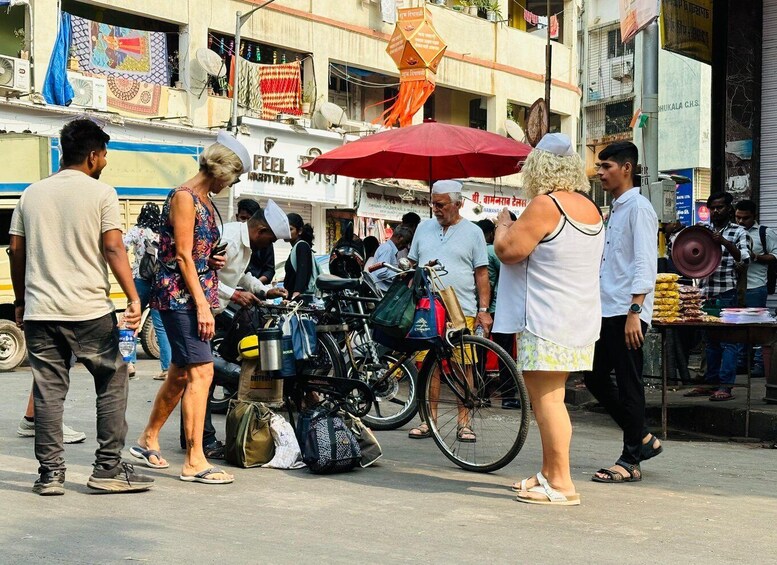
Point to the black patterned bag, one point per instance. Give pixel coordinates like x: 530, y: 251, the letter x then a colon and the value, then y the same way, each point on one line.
x: 329, y: 446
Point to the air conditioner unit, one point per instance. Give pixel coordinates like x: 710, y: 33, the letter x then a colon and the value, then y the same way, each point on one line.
x: 89, y: 92
x: 14, y: 75
x: 621, y: 70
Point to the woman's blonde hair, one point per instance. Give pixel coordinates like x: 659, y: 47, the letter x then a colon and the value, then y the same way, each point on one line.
x: 221, y: 163
x: 546, y: 172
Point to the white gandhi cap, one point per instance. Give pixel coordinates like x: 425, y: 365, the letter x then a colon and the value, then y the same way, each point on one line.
x: 277, y: 220
x: 556, y: 143
x: 230, y: 142
x: 446, y: 187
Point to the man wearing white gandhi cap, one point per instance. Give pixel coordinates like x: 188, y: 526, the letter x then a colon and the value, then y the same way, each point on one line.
x: 459, y: 245
x: 263, y: 229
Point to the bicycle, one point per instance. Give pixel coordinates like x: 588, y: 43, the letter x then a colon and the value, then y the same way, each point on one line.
x: 345, y: 340
x: 461, y: 383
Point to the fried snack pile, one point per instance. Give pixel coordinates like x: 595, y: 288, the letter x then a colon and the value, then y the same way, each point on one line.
x: 666, y: 306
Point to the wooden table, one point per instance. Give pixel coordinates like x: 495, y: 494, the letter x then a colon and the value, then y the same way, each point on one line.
x: 749, y: 334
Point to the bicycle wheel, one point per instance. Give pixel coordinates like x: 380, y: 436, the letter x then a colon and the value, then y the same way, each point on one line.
x: 394, y: 386
x: 464, y: 386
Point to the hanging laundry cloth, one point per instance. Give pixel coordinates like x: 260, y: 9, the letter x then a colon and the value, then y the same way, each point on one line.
x: 281, y: 89
x: 249, y: 94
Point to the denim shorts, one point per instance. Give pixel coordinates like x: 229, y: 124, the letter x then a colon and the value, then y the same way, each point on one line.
x: 185, y: 344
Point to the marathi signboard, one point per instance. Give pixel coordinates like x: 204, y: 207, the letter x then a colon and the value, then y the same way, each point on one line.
x: 388, y: 205
x: 684, y: 202
x: 686, y: 28
x: 636, y: 15
x: 483, y: 202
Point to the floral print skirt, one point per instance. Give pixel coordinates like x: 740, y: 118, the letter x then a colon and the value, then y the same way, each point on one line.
x: 537, y: 354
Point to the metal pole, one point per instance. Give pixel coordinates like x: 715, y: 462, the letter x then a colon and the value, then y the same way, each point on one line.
x: 548, y: 60
x: 233, y: 117
x: 650, y: 99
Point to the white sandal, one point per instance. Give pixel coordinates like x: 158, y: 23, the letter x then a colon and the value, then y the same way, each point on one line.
x: 553, y: 496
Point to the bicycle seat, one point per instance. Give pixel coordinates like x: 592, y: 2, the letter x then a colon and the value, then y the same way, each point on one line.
x: 331, y: 282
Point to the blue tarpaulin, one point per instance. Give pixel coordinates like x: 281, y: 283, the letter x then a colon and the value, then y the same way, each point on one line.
x: 56, y: 87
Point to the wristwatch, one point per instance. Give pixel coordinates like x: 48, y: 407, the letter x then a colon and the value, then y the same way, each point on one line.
x: 482, y: 309
x: 635, y: 309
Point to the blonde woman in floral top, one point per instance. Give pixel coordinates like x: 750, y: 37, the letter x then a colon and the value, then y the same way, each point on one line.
x: 141, y: 236
x: 185, y: 292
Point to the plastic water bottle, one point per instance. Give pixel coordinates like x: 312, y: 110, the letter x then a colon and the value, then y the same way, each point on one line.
x: 479, y: 331
x: 277, y: 301
x: 126, y: 344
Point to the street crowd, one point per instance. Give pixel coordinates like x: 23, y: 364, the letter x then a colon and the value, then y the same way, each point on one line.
x: 559, y: 287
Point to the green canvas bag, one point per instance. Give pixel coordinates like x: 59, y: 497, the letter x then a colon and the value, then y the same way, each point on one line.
x: 248, y: 441
x: 394, y: 314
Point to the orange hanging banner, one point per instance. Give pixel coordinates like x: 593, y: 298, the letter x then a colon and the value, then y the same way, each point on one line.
x: 417, y: 50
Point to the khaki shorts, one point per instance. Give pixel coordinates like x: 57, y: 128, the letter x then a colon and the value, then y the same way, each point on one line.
x: 471, y: 357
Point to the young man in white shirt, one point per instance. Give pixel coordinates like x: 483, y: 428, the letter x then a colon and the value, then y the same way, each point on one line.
x: 627, y: 279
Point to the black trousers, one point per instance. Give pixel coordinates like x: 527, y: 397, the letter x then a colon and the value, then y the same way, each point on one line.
x: 95, y: 343
x: 624, y: 400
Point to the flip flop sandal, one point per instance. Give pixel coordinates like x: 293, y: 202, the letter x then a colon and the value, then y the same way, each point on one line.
x: 202, y: 477
x: 145, y: 454
x: 550, y: 496
x: 465, y: 435
x: 635, y: 474
x: 648, y: 451
x: 520, y: 487
x: 423, y: 432
x: 721, y: 395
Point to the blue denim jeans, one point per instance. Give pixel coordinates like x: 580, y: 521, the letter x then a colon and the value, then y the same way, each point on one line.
x: 754, y: 298
x: 144, y: 292
x: 722, y: 357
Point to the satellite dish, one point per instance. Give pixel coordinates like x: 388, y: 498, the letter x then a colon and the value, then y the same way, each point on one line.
x: 212, y: 63
x: 694, y: 253
x: 537, y: 122
x: 333, y: 114
x: 514, y: 130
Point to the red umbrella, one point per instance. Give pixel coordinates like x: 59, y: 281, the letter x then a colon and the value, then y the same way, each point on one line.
x: 429, y: 151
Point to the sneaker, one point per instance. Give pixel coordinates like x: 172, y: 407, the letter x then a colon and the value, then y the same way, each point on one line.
x: 26, y: 428
x: 69, y: 435
x: 122, y: 478
x: 50, y: 483
x: 511, y: 404
x: 131, y: 373
x: 214, y: 451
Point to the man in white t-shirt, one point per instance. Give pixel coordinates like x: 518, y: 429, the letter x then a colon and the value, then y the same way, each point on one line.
x: 66, y: 232
x: 460, y: 246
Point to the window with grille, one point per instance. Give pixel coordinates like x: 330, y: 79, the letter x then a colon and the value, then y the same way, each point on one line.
x: 615, y: 45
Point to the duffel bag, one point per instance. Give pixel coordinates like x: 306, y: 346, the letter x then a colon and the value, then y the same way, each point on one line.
x: 248, y: 441
x: 329, y: 446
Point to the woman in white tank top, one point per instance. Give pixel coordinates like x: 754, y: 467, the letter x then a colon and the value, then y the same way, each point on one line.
x: 549, y: 296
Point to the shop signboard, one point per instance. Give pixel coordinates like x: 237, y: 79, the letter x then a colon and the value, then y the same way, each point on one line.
x: 684, y: 201
x: 636, y: 15
x: 686, y: 28
x: 277, y: 153
x: 387, y: 204
x: 485, y: 201
x: 702, y: 212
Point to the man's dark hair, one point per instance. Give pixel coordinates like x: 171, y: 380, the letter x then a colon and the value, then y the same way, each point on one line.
x: 487, y: 226
x: 78, y: 139
x: 411, y: 219
x: 726, y: 196
x: 622, y: 152
x: 248, y: 205
x: 746, y: 206
x: 257, y: 218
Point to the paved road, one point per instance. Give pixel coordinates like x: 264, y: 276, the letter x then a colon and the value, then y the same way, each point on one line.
x: 699, y: 503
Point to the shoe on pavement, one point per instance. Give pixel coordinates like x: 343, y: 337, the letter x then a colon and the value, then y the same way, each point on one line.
x: 122, y: 478
x: 511, y: 404
x: 215, y: 450
x: 131, y: 373
x: 69, y: 435
x: 161, y: 376
x: 50, y: 483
